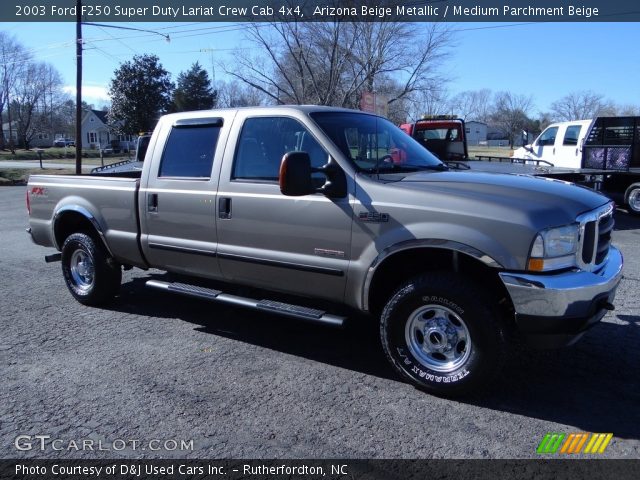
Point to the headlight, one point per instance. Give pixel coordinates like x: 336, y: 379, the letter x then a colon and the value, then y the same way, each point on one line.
x: 554, y: 248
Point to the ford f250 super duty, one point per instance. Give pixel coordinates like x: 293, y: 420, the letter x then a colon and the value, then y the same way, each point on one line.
x: 307, y: 207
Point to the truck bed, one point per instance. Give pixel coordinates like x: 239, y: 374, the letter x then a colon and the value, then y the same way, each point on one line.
x: 99, y: 198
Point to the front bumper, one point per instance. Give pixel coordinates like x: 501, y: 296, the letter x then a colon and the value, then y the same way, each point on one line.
x: 556, y: 309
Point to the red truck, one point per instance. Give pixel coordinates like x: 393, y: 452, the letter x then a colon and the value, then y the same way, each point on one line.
x: 442, y: 135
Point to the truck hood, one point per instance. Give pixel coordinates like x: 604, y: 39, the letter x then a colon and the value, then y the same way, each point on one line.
x: 550, y: 202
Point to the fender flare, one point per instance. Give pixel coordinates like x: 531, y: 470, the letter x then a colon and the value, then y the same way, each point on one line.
x: 423, y: 243
x: 86, y: 214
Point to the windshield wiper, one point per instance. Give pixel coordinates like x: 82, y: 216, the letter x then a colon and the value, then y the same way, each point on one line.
x: 407, y: 167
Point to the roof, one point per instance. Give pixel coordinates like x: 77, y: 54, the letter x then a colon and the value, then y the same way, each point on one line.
x: 101, y: 114
x: 306, y: 109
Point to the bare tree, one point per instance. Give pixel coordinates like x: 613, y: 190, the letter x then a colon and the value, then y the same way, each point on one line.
x: 28, y: 94
x: 36, y: 100
x: 333, y: 63
x: 434, y: 101
x: 13, y: 59
x: 51, y: 101
x: 511, y: 113
x: 473, y: 105
x: 237, y: 94
x: 580, y: 105
x: 629, y: 110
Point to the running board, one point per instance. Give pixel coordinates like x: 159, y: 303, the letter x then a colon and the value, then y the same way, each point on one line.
x: 271, y: 306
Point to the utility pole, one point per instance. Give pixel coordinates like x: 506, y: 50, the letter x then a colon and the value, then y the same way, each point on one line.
x: 78, y: 87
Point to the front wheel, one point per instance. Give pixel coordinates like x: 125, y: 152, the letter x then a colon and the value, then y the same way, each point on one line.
x: 91, y: 275
x: 438, y: 331
x: 632, y: 198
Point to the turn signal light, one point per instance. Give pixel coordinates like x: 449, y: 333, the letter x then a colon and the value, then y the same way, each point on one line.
x: 536, y: 264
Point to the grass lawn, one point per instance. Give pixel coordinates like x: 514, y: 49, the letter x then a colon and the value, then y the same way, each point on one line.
x: 12, y: 176
x: 476, y: 150
x: 57, y: 154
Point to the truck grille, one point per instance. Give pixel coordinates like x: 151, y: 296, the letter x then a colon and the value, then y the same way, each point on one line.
x: 595, y: 237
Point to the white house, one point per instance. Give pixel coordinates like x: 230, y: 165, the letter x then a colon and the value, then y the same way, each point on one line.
x: 96, y: 133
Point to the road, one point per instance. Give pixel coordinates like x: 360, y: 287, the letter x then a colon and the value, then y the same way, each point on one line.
x: 241, y: 384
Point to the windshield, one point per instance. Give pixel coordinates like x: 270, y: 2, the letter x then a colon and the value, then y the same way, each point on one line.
x: 374, y: 144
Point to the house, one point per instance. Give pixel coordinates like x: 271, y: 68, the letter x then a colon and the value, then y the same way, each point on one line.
x: 97, y: 134
x: 36, y: 139
x: 476, y: 132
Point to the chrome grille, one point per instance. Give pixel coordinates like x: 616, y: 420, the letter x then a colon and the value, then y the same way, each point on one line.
x: 605, y: 227
x: 595, y: 237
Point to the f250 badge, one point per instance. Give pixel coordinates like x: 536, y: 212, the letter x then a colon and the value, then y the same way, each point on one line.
x: 374, y: 217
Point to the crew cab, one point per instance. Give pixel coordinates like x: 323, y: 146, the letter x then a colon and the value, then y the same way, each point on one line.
x: 306, y: 209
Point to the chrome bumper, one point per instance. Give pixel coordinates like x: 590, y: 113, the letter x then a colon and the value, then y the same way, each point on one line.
x: 575, y: 294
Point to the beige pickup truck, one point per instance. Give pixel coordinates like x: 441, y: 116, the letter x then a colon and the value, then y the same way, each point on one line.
x: 311, y: 208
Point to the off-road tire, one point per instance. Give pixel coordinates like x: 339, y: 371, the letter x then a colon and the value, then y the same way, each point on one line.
x: 452, y: 312
x: 91, y: 275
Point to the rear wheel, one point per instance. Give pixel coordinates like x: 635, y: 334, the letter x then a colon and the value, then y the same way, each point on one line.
x: 632, y: 198
x: 438, y: 331
x: 91, y: 275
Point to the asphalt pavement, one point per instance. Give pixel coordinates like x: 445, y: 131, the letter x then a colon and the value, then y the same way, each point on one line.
x: 186, y: 378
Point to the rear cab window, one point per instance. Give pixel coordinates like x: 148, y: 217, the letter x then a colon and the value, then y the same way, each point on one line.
x: 189, y: 151
x: 572, y: 135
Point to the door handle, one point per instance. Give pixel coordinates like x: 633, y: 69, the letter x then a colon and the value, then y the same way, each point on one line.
x: 224, y: 208
x: 152, y: 202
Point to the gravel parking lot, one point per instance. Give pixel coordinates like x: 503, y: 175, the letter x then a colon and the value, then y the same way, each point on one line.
x: 222, y: 382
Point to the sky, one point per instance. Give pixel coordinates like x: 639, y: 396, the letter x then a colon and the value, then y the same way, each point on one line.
x: 544, y: 60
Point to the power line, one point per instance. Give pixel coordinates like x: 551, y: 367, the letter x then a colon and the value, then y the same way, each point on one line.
x: 117, y: 40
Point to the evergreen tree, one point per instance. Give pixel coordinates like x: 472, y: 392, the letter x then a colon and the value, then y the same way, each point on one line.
x: 194, y: 91
x: 140, y: 93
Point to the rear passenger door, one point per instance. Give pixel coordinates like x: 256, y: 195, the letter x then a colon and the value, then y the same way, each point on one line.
x: 293, y: 244
x: 568, y: 154
x: 178, y: 202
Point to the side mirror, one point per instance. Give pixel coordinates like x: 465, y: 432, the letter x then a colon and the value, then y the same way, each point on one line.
x: 296, y: 180
x: 295, y: 174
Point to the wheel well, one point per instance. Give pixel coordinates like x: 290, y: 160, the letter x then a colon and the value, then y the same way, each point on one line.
x: 72, y: 222
x: 406, y: 264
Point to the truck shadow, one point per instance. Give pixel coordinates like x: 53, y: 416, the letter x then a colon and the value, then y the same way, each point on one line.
x: 626, y: 221
x: 592, y: 386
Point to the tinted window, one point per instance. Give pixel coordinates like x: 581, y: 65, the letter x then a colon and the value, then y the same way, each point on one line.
x: 571, y: 135
x: 373, y: 143
x: 548, y: 137
x: 264, y: 141
x: 189, y: 152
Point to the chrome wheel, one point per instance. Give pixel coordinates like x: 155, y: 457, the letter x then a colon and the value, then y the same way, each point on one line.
x: 82, y: 270
x: 438, y: 338
x: 634, y: 200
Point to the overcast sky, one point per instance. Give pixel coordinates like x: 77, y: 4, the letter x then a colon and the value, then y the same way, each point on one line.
x: 545, y: 60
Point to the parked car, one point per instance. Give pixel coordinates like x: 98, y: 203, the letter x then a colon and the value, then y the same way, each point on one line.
x: 303, y: 205
x: 64, y: 142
